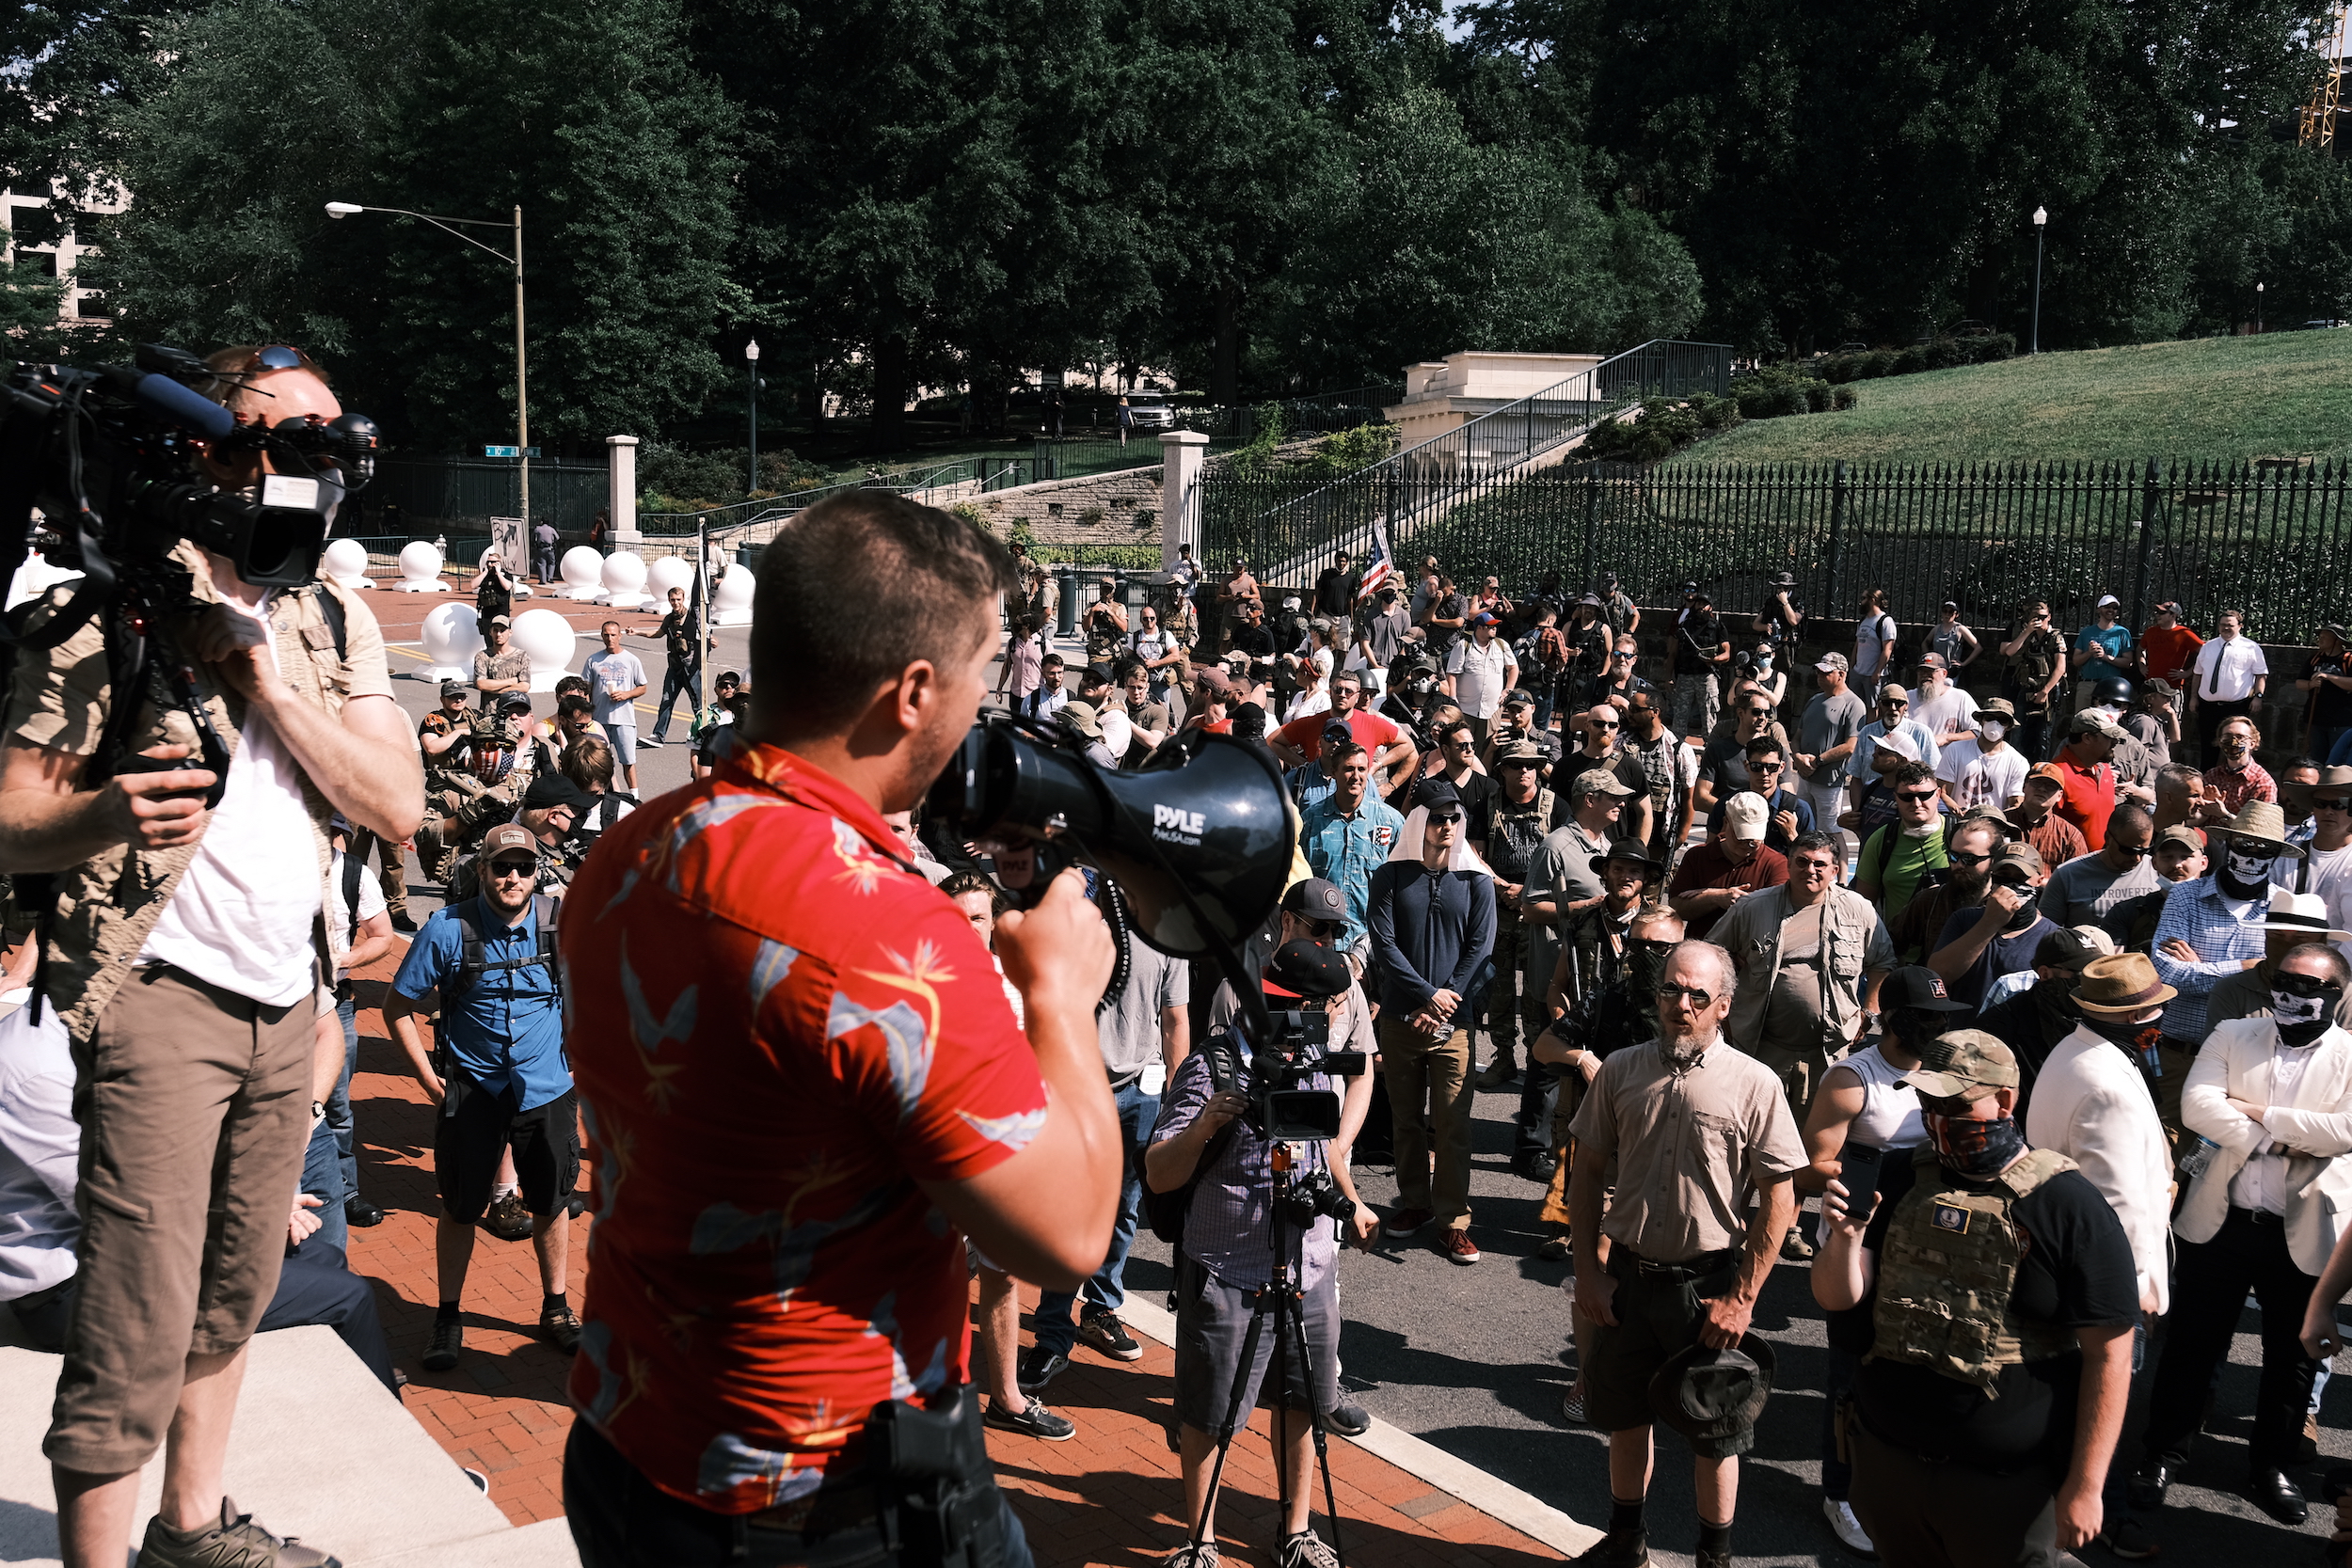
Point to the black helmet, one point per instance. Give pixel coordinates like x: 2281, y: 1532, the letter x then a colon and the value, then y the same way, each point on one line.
x: 2115, y: 691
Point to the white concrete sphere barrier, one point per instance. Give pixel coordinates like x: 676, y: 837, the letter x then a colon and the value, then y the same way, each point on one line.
x: 420, y: 569
x: 624, y: 580
x: 668, y: 572
x: 547, y: 638
x: 451, y: 636
x: 346, y: 561
x: 731, y: 606
x: 582, y: 573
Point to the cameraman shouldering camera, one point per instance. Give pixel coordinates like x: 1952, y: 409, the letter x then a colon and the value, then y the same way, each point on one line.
x: 182, y: 951
x: 804, y: 1078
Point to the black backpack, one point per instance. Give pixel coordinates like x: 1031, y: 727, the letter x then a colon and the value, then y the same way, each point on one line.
x: 1164, y: 1211
x: 473, y: 966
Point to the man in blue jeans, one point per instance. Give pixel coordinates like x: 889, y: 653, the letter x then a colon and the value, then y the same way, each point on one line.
x: 1143, y: 1037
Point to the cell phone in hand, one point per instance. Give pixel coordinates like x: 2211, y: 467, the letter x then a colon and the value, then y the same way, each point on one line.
x: 1859, y: 1166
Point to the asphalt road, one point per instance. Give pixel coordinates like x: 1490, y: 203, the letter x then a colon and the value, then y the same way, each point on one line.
x: 1476, y: 1359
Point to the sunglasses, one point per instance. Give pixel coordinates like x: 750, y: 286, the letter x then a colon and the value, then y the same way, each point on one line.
x: 1700, y: 1001
x: 2137, y: 851
x: 2331, y: 803
x: 1958, y: 858
x: 1602, y: 723
x: 1917, y: 795
x: 502, y: 869
x: 1891, y: 702
x: 1764, y: 768
x: 1445, y: 817
x: 2300, y: 985
x: 1759, y: 712
x: 1620, y: 655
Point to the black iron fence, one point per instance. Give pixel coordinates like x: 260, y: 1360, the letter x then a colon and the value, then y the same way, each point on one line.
x: 2272, y: 539
x: 443, y: 492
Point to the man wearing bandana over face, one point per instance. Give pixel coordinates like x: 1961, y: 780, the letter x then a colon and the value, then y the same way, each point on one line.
x: 2211, y: 927
x: 1991, y: 1292
x: 2274, y: 1094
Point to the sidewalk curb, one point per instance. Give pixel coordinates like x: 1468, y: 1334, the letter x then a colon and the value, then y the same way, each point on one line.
x: 1497, y: 1500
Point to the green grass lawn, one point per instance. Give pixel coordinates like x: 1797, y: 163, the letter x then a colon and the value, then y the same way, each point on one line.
x: 2287, y: 395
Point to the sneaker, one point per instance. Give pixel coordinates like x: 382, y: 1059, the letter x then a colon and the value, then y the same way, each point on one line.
x: 1039, y: 1367
x: 653, y: 740
x: 1031, y: 1420
x: 1348, y: 1419
x: 507, y: 1219
x: 1572, y: 1404
x: 404, y: 923
x: 1558, y: 1249
x: 449, y: 1338
x: 560, y: 1326
x: 1100, y: 1329
x: 1404, y: 1222
x: 1617, y: 1549
x: 1849, y: 1531
x: 1456, y: 1246
x: 236, y: 1541
x: 2130, y: 1541
x: 1190, y: 1556
x: 1305, y: 1550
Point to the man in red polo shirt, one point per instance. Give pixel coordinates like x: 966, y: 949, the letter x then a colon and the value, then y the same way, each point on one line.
x: 1393, y: 754
x: 804, y: 1083
x: 2089, y: 777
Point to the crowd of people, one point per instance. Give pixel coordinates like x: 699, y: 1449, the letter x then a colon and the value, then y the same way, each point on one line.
x: 2016, y: 924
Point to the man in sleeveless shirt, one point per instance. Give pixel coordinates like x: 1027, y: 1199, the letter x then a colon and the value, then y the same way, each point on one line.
x: 1992, y: 1293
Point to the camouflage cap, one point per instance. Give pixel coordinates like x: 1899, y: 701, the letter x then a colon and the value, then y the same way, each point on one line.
x: 1966, y: 1063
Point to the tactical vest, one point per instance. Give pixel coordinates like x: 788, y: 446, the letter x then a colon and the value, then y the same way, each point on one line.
x: 1947, y: 1270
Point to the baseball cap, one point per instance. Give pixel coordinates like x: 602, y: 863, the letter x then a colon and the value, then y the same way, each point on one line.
x: 1519, y: 751
x: 1313, y: 899
x: 452, y: 689
x: 2106, y: 600
x: 1833, y: 661
x: 1917, y: 985
x: 2072, y: 947
x: 1337, y: 730
x: 500, y: 621
x: 1214, y: 678
x: 1592, y: 781
x: 2098, y: 721
x: 1996, y: 707
x: 1517, y: 698
x: 1485, y: 618
x: 509, y: 839
x: 1096, y: 674
x: 1437, y: 792
x: 1303, y: 968
x: 1949, y: 604
x: 552, y: 789
x: 2047, y: 773
x: 1931, y: 661
x: 1966, y: 1063
x: 1895, y: 689
x: 1898, y: 743
x: 2018, y: 857
x: 2181, y: 834
x: 1746, y: 815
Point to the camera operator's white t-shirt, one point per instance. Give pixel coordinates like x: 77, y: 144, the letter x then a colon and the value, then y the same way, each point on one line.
x: 242, y: 915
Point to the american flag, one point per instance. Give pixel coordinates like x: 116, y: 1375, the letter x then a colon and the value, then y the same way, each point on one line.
x: 1377, y: 566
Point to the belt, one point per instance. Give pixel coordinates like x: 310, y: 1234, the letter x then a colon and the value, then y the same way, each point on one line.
x: 1120, y: 1079
x: 1689, y: 1269
x: 2256, y: 1216
x: 824, y: 1512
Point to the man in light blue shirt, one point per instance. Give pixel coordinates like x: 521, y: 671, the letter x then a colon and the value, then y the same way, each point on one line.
x: 1346, y: 835
x: 616, y: 681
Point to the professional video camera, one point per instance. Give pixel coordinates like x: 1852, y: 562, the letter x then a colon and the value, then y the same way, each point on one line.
x: 1290, y: 1051
x: 110, y: 456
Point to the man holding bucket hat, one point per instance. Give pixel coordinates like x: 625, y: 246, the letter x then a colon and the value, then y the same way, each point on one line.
x: 1983, y: 1352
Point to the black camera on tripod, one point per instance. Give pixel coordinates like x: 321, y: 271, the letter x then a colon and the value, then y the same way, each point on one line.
x: 1272, y: 1078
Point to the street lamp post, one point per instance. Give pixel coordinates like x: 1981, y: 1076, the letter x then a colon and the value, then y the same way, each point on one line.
x: 522, y: 400
x: 751, y: 358
x: 2041, y: 220
x: 2258, y: 309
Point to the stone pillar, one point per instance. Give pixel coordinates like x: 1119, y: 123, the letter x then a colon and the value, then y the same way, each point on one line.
x: 1182, y: 454
x: 621, y: 495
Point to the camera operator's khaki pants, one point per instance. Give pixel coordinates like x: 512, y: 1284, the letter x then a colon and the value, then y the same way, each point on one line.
x: 1433, y: 1072
x: 194, y: 1104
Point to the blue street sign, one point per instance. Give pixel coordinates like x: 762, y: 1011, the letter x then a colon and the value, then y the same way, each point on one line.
x: 510, y: 451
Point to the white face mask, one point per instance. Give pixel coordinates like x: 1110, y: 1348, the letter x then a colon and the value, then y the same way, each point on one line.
x: 2246, y: 869
x: 1992, y: 729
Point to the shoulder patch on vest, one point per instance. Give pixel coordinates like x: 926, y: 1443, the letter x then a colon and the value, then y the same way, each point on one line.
x: 1949, y: 1216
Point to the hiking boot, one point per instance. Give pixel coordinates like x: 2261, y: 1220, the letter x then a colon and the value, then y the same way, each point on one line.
x: 1536, y: 1165
x: 1039, y: 1367
x: 1100, y: 1329
x: 507, y: 1219
x: 1404, y: 1222
x: 1031, y: 1420
x: 404, y: 923
x: 235, y: 1542
x: 449, y: 1338
x: 1794, y: 1248
x: 1456, y: 1246
x: 560, y: 1326
x: 1305, y: 1550
x: 1627, y: 1548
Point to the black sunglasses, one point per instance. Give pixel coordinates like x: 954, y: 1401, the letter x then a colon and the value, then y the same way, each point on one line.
x: 1601, y: 724
x: 1917, y: 795
x: 2331, y: 803
x: 1958, y: 858
x: 1445, y: 817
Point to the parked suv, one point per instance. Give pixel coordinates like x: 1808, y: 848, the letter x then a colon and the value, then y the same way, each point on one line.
x: 1151, y: 411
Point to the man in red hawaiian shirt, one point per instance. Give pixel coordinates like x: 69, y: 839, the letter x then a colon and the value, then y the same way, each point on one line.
x: 802, y: 1078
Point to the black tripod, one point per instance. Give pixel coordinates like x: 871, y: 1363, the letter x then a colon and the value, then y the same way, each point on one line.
x: 1283, y: 1301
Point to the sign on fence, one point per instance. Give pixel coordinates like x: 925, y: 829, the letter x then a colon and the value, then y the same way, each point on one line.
x: 512, y: 543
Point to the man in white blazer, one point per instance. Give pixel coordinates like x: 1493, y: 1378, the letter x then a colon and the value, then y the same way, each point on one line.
x: 2273, y: 1094
x: 2091, y: 1103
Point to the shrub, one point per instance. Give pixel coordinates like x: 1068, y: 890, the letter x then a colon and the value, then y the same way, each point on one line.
x: 1911, y: 361
x: 1660, y: 428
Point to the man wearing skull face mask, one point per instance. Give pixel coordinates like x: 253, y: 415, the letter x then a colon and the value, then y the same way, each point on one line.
x: 2274, y: 1094
x: 2211, y: 927
x: 1992, y: 1298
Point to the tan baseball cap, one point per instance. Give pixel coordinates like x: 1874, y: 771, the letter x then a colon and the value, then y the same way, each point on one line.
x: 1746, y: 815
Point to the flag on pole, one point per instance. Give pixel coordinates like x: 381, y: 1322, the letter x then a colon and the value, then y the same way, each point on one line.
x: 1378, y: 565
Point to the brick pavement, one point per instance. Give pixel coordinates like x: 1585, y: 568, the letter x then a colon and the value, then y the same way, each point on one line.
x: 1108, y: 1496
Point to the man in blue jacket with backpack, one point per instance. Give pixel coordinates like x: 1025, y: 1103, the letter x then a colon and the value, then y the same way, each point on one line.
x: 499, y: 1078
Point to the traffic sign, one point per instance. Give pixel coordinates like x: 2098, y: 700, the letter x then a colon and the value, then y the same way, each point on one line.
x: 510, y: 451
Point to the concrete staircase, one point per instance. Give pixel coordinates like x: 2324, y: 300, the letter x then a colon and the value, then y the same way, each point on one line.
x: 320, y: 1451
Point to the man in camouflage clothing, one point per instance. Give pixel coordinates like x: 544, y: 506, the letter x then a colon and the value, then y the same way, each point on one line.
x: 1105, y: 623
x: 1516, y: 826
x: 1622, y: 1011
x: 500, y: 667
x: 484, y: 769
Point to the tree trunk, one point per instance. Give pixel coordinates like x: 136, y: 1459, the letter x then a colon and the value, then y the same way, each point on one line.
x: 893, y: 371
x: 1225, y: 368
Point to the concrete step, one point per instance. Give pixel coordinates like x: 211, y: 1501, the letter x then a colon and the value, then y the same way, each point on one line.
x: 320, y: 1449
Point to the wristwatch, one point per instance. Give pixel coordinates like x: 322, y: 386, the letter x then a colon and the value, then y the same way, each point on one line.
x: 318, y: 1112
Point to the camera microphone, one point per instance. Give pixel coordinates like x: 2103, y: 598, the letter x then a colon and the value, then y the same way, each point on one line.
x: 167, y: 399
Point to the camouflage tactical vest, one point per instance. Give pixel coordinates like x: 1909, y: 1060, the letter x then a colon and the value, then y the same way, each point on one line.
x: 1947, y: 1270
